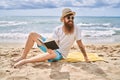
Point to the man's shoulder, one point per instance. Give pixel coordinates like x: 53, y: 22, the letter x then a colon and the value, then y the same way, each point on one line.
x: 77, y: 27
x: 58, y: 27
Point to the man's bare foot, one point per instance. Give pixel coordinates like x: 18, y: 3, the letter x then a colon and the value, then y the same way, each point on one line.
x: 18, y: 59
x: 20, y: 63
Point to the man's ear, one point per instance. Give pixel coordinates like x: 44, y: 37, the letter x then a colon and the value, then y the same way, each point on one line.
x: 62, y: 19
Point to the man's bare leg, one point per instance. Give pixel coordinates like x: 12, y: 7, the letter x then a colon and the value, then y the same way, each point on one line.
x: 38, y: 58
x: 33, y: 37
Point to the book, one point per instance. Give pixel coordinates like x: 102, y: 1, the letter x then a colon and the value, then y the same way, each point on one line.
x: 50, y: 44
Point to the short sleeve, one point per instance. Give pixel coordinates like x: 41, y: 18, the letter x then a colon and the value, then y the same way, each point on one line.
x: 78, y: 33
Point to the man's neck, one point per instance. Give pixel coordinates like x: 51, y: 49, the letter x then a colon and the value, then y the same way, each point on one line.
x: 66, y: 31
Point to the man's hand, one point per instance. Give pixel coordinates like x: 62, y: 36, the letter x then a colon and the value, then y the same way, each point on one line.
x: 87, y: 60
x: 50, y: 51
x: 82, y: 48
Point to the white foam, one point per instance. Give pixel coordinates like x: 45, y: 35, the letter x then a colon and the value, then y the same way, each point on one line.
x: 13, y: 36
x: 11, y: 23
x: 21, y: 35
x: 94, y: 24
x: 93, y: 33
x: 117, y: 29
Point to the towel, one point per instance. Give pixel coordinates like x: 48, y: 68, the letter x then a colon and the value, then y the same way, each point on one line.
x: 78, y: 56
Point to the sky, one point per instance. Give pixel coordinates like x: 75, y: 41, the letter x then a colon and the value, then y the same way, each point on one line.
x: 55, y: 7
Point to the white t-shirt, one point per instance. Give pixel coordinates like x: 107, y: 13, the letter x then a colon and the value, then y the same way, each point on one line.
x: 66, y: 41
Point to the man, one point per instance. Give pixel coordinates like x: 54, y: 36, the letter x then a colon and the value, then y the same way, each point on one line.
x: 64, y: 35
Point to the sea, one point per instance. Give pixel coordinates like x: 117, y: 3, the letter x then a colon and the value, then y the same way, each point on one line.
x: 94, y: 29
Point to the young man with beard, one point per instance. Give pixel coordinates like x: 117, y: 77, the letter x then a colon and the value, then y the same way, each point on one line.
x: 64, y: 35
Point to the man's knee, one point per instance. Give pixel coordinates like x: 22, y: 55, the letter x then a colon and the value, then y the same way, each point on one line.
x: 53, y: 54
x: 33, y: 34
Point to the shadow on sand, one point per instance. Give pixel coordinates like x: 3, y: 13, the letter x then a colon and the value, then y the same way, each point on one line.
x: 90, y: 68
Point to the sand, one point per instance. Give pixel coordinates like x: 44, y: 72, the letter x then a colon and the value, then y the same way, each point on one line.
x: 109, y: 69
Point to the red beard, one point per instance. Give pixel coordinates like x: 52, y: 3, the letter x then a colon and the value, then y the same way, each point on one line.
x: 69, y: 26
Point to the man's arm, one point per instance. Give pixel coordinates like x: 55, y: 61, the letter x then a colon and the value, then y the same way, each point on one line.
x: 82, y: 48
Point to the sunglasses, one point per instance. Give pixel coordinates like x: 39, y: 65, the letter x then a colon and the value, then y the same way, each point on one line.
x: 70, y: 17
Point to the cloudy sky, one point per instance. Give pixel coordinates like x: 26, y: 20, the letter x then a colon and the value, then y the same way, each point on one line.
x: 54, y: 7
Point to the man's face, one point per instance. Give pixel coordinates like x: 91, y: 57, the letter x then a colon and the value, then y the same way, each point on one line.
x: 69, y: 23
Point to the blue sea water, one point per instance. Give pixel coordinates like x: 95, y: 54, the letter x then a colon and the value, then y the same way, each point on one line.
x: 94, y: 29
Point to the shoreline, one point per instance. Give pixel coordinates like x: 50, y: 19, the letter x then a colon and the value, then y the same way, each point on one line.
x: 85, y: 43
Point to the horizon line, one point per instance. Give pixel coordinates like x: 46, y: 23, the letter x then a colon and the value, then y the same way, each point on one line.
x: 52, y: 16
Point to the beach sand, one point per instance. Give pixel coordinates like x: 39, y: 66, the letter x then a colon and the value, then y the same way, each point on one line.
x: 109, y: 69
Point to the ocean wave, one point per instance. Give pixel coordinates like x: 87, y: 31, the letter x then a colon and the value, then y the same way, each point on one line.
x: 11, y: 23
x: 94, y: 24
x: 116, y: 28
x: 13, y: 36
x: 20, y: 35
x: 85, y: 33
x: 94, y: 33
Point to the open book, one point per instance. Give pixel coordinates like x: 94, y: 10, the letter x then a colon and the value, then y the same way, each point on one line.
x: 50, y: 44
